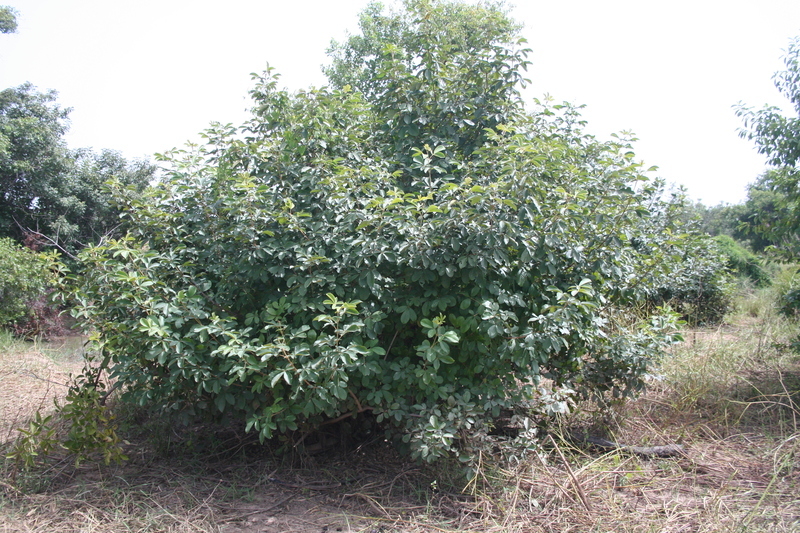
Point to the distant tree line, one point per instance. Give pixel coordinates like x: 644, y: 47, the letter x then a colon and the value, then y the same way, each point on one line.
x: 53, y: 196
x: 764, y: 206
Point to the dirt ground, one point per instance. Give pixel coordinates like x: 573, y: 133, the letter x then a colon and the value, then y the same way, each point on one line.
x: 30, y: 381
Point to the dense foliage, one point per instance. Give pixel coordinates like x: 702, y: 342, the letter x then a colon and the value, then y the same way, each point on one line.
x: 423, y: 248
x: 789, y: 303
x: 25, y: 276
x: 89, y: 196
x: 766, y: 207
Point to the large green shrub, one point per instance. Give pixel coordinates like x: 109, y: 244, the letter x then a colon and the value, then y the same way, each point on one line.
x: 408, y: 254
x: 24, y: 277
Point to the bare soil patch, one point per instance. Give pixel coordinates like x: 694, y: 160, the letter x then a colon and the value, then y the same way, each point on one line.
x: 30, y: 380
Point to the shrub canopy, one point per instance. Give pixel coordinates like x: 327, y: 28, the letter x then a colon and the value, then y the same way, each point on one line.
x: 426, y: 250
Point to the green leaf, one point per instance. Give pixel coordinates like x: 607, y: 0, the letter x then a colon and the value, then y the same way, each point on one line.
x: 408, y: 316
x: 450, y: 337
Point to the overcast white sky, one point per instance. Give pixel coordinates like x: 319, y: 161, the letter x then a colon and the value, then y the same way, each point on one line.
x: 145, y: 76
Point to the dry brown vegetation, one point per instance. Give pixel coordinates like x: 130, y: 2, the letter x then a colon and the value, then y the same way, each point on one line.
x: 728, y: 395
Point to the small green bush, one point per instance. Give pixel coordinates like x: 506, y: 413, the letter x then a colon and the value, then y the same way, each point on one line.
x: 699, y: 288
x: 25, y: 277
x: 742, y: 262
x: 789, y: 303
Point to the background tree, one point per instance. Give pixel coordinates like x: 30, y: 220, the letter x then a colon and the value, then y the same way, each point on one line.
x: 766, y: 209
x: 49, y: 190
x: 89, y: 196
x: 8, y: 19
x: 778, y: 137
x: 33, y: 156
x: 722, y: 219
x: 730, y: 227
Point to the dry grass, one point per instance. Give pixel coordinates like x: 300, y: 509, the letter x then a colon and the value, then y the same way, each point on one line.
x: 32, y: 375
x: 730, y: 395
